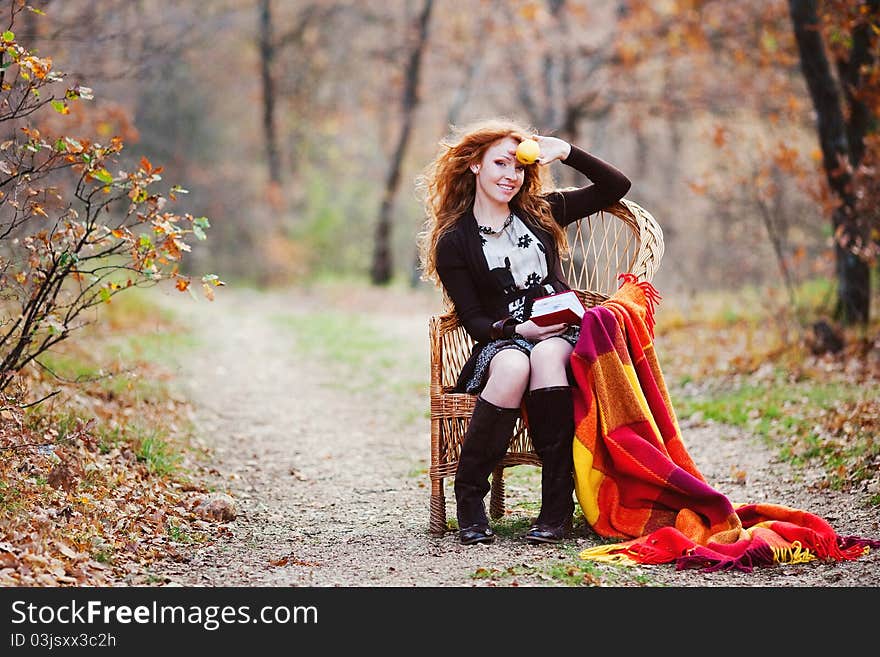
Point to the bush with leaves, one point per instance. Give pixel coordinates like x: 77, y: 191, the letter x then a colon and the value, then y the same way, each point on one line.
x: 73, y: 233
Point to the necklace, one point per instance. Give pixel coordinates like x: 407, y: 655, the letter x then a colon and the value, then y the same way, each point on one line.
x: 486, y: 230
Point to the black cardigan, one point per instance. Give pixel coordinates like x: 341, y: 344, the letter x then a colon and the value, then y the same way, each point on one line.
x: 478, y: 296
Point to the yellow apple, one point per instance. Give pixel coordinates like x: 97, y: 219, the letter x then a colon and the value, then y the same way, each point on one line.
x: 528, y: 151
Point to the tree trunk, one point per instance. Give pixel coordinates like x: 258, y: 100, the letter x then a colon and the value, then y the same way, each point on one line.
x: 853, y: 274
x: 851, y: 73
x: 459, y: 100
x: 382, y: 268
x: 267, y: 58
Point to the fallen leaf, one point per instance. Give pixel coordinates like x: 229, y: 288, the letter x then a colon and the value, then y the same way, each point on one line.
x: 62, y: 477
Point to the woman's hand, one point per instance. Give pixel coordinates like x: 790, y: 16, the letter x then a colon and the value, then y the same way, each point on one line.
x: 552, y: 149
x: 536, y: 333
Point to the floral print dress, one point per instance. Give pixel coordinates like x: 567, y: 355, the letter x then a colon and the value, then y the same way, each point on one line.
x: 517, y: 257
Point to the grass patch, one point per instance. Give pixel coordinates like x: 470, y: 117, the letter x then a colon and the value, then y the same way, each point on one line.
x: 110, y: 438
x: 136, y: 307
x: 11, y: 499
x: 70, y: 368
x: 806, y: 421
x: 511, y: 527
x: 743, y: 358
x: 103, y: 555
x: 339, y: 337
x: 357, y: 356
x: 180, y: 532
x: 571, y: 571
x: 158, y: 454
x: 117, y: 355
x: 565, y: 574
x: 583, y: 573
x: 568, y: 570
x: 161, y: 347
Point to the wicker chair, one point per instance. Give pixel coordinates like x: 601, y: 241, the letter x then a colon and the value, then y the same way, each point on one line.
x: 621, y: 238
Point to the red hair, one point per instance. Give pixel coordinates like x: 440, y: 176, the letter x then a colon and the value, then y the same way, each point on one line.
x: 448, y: 187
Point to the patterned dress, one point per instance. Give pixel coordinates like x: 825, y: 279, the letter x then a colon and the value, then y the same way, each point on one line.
x: 516, y: 249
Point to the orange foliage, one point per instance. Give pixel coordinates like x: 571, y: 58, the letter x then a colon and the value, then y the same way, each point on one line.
x: 92, y: 213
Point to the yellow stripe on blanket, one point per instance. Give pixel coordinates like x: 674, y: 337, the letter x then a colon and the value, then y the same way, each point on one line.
x: 633, y: 378
x: 586, y: 488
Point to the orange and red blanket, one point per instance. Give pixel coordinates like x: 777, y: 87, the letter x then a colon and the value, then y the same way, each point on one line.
x: 634, y: 478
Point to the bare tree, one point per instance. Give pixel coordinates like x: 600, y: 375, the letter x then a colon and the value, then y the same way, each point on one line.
x: 841, y: 136
x: 381, y: 271
x: 267, y: 58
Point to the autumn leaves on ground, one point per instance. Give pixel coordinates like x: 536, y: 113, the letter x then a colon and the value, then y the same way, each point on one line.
x: 107, y: 474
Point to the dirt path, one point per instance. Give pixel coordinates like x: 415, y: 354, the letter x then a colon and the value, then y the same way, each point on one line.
x: 329, y: 465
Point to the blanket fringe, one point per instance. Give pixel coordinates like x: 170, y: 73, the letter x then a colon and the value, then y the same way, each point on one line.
x: 611, y: 553
x: 631, y: 553
x: 761, y: 554
x: 652, y: 297
x: 794, y: 553
x: 850, y: 548
x: 857, y: 545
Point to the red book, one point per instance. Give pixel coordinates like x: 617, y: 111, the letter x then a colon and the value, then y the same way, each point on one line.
x: 560, y: 308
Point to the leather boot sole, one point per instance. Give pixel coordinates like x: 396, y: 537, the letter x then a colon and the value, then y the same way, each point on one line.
x: 537, y: 539
x: 544, y: 534
x: 476, y: 534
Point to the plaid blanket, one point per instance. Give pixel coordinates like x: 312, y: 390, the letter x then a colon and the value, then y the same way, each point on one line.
x: 634, y: 478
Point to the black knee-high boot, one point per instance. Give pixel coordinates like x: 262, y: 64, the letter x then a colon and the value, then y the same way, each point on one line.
x: 551, y: 426
x: 485, y: 443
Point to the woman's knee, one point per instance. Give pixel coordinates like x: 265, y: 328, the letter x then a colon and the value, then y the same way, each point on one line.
x: 510, y: 365
x: 550, y: 353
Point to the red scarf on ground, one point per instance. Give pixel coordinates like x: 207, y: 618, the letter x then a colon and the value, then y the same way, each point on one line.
x: 634, y: 478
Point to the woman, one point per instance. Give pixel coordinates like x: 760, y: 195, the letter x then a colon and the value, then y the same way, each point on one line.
x: 494, y: 241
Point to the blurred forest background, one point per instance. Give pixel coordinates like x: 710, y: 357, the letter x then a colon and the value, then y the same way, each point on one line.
x: 274, y: 145
x: 299, y: 126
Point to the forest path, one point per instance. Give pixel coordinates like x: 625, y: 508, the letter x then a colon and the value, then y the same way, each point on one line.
x: 313, y: 407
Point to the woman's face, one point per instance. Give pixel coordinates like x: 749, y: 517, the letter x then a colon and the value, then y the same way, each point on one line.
x: 499, y: 175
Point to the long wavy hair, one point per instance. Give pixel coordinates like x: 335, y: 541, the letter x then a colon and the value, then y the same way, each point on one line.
x: 447, y: 187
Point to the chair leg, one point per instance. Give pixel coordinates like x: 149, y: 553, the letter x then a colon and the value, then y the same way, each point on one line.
x: 437, y: 524
x: 496, y: 497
